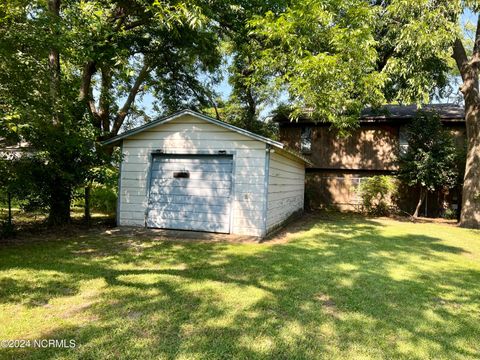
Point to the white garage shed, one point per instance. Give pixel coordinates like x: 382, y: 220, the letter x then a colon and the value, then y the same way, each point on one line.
x: 189, y: 171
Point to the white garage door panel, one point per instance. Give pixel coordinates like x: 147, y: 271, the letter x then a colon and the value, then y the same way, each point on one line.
x: 194, y: 166
x: 187, y: 200
x: 189, y: 215
x: 196, y: 175
x: 192, y: 184
x: 215, y: 168
x: 190, y: 225
x: 177, y: 160
x: 196, y: 199
x: 186, y: 191
x: 199, y: 208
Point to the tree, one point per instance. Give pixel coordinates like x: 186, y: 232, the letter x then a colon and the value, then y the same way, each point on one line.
x: 323, y: 55
x: 37, y: 103
x: 430, y: 161
x: 233, y: 113
x: 71, y: 72
x: 333, y: 58
x: 130, y: 49
x: 8, y: 181
x: 242, y: 48
x: 469, y: 70
x: 422, y: 43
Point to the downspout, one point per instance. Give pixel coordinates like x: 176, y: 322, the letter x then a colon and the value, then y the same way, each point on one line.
x: 265, y: 189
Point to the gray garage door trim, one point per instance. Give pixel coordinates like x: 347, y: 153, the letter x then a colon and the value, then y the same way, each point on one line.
x: 191, y: 192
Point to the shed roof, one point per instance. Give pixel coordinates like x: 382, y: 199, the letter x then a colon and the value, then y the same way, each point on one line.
x: 116, y: 139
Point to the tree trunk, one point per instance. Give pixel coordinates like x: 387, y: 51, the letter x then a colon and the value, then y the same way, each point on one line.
x: 251, y: 112
x: 54, y: 62
x: 419, y: 204
x: 60, y: 193
x: 469, y: 69
x: 87, y: 216
x: 470, y: 215
x: 459, y: 202
x: 9, y: 201
x: 59, y: 207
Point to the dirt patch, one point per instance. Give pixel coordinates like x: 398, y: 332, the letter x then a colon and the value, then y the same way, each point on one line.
x: 438, y: 301
x: 422, y: 220
x: 177, y: 235
x: 77, y: 309
x: 134, y: 315
x: 39, y: 231
x: 328, y: 304
x: 105, y: 228
x: 285, y: 234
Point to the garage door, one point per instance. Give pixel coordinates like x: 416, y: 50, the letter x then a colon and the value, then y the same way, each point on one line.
x: 190, y: 192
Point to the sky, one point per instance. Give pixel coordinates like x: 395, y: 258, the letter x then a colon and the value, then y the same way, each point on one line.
x: 223, y: 89
x: 469, y: 15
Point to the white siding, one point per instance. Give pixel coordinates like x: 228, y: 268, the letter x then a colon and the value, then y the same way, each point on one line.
x: 188, y: 134
x: 286, y: 184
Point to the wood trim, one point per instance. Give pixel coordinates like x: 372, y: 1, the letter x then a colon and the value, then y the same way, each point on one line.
x: 265, y: 189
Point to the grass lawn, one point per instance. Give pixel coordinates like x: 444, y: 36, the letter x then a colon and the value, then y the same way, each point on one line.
x: 342, y: 287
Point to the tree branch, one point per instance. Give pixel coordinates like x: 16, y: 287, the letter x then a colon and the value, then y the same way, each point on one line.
x: 93, y: 110
x: 122, y: 113
x: 476, y: 46
x: 88, y: 70
x: 460, y: 57
x: 54, y: 60
x: 104, y: 102
x: 86, y: 93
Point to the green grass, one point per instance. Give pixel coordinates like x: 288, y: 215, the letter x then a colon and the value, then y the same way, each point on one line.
x: 341, y: 288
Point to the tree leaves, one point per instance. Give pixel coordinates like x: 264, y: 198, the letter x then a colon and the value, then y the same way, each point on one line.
x: 431, y: 159
x: 324, y: 55
x: 417, y: 39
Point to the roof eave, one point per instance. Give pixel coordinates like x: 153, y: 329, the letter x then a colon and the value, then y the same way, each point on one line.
x: 296, y: 155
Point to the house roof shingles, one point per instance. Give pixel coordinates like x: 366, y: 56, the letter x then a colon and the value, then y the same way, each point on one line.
x: 447, y: 112
x: 392, y: 112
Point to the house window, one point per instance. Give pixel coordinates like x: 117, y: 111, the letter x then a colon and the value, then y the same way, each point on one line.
x: 306, y: 140
x: 403, y: 140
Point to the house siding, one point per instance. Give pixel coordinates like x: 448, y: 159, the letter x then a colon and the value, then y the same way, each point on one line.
x: 369, y: 147
x: 341, y: 164
x: 188, y: 134
x: 285, y: 189
x: 335, y: 189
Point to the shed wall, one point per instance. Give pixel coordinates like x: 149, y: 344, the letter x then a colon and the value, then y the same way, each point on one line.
x: 286, y: 184
x: 188, y: 134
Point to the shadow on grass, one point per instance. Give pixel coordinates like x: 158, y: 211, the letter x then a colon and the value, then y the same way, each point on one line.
x: 329, y: 293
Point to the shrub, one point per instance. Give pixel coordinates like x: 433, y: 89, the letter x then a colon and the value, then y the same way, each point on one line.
x: 450, y: 214
x: 103, y: 199
x: 376, y: 192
